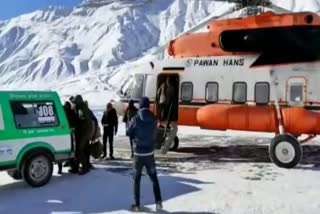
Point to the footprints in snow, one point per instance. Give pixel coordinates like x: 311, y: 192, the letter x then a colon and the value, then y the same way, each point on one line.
x: 261, y: 172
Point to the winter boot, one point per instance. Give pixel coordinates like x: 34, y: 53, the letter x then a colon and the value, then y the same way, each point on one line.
x: 159, y: 206
x: 135, y: 208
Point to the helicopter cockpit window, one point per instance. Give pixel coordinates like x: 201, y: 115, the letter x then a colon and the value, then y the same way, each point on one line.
x: 262, y: 93
x: 125, y: 85
x: 151, y: 83
x: 296, y: 93
x: 239, y: 92
x: 135, y: 87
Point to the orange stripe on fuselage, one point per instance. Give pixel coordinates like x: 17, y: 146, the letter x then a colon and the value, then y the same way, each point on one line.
x: 249, y: 118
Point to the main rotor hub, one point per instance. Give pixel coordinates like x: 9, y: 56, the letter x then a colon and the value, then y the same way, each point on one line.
x: 251, y: 7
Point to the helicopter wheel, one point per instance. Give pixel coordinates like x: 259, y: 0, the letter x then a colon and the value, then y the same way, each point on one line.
x: 285, y: 151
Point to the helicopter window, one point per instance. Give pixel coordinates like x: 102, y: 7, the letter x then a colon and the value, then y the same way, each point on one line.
x: 135, y: 87
x: 150, y: 85
x: 262, y: 93
x: 186, y: 91
x: 212, y: 89
x: 125, y: 85
x: 296, y: 93
x: 239, y: 92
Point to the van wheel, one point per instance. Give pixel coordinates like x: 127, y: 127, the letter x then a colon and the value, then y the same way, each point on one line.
x: 285, y: 151
x: 175, y: 144
x: 37, y: 169
x: 14, y: 174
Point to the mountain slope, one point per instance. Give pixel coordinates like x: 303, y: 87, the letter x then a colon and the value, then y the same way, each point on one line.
x: 47, y: 47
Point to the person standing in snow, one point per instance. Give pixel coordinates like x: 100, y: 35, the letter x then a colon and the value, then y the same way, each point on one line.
x: 128, y: 115
x: 110, y: 128
x: 143, y: 128
x: 71, y: 117
x: 83, y: 131
x: 94, y: 131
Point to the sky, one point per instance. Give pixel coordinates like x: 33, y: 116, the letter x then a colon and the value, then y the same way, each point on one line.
x: 13, y: 8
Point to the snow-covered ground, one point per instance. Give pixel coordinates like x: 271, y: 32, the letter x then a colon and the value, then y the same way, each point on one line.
x: 213, y: 172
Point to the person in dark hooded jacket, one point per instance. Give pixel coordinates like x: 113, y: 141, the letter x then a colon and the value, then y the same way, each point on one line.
x: 71, y: 117
x: 128, y: 115
x: 143, y: 128
x: 83, y: 132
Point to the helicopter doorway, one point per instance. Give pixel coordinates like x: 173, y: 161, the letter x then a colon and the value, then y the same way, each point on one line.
x: 167, y: 98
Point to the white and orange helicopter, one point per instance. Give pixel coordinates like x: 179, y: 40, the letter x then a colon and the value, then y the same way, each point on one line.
x: 257, y: 73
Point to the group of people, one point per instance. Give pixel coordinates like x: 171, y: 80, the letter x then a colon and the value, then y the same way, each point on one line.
x: 141, y: 128
x: 85, y: 128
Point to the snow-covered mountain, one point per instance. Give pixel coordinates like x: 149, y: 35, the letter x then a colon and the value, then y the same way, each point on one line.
x: 89, y: 44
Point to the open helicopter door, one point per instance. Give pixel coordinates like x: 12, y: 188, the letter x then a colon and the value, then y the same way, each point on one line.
x: 167, y: 109
x: 167, y: 112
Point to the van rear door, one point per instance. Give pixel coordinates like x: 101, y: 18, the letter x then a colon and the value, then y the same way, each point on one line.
x: 1, y: 119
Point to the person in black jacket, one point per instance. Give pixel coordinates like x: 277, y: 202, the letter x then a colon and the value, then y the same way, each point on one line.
x: 143, y: 129
x: 128, y: 115
x: 110, y: 128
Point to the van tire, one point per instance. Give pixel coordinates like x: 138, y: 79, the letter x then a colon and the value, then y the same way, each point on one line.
x: 13, y: 173
x: 42, y: 163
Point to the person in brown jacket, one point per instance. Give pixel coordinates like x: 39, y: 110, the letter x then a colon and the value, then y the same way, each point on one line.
x: 166, y: 95
x: 83, y: 132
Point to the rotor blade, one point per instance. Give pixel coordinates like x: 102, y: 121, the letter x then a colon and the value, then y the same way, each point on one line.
x: 195, y: 28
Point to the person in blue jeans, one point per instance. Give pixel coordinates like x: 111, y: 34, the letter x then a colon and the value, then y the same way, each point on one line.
x: 142, y: 129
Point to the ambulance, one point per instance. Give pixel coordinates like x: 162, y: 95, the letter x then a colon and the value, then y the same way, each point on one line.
x: 34, y: 134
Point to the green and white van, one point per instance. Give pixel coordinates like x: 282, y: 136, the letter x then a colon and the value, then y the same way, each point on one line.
x: 34, y: 134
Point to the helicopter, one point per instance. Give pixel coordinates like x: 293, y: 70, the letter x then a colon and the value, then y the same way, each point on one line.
x: 257, y: 73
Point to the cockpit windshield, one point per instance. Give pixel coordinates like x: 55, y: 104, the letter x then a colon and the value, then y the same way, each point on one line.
x: 133, y: 88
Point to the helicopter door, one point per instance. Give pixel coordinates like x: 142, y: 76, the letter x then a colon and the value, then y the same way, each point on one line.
x: 167, y: 108
x: 296, y: 91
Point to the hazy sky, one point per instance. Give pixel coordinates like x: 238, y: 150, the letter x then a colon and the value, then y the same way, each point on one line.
x: 12, y: 8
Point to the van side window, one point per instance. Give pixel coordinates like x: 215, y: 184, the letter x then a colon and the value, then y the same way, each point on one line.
x: 262, y: 93
x: 212, y: 92
x: 1, y: 119
x: 239, y: 94
x: 186, y: 91
x: 34, y: 114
